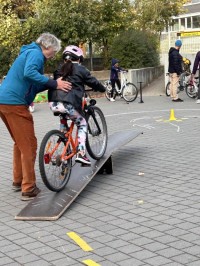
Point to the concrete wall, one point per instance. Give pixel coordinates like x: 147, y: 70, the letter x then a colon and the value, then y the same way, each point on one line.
x: 144, y: 75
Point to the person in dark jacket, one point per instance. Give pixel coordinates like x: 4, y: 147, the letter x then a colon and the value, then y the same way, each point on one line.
x: 18, y: 90
x: 194, y: 70
x: 114, y: 77
x: 71, y: 102
x: 175, y: 69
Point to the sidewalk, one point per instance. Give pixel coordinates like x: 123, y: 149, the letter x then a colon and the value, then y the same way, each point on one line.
x: 155, y: 88
x: 146, y: 214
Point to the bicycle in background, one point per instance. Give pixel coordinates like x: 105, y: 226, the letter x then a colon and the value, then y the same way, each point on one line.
x: 184, y: 84
x: 128, y: 90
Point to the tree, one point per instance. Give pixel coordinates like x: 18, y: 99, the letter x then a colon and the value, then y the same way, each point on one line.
x: 10, y: 30
x: 114, y: 17
x: 21, y: 8
x: 136, y: 49
x: 76, y: 21
x: 156, y: 15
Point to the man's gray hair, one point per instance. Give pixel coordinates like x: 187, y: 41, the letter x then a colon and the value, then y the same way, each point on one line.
x: 49, y: 40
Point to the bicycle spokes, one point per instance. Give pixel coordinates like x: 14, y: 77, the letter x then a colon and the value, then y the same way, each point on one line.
x: 54, y: 162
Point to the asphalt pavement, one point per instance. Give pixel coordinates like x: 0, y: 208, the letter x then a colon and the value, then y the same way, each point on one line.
x: 147, y: 213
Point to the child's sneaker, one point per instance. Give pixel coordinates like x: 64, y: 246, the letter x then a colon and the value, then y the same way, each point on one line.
x: 112, y: 99
x: 31, y: 109
x: 82, y: 159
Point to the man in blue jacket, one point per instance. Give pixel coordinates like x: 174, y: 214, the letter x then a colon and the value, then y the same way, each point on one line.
x: 18, y: 90
x: 175, y: 69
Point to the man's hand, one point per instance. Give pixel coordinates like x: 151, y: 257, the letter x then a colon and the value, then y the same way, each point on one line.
x: 63, y: 85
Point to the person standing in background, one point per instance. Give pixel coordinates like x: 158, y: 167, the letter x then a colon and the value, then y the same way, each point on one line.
x: 194, y: 70
x: 175, y: 69
x: 114, y: 77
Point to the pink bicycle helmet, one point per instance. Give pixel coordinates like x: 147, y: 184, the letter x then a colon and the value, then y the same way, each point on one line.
x: 73, y: 52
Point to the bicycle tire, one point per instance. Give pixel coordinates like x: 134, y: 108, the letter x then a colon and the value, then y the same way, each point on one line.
x: 129, y: 92
x: 97, y: 139
x: 108, y: 90
x: 55, y: 173
x: 191, y: 91
x: 167, y: 89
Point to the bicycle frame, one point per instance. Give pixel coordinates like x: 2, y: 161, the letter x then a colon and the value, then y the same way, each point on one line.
x: 72, y: 142
x: 123, y: 82
x: 58, y: 147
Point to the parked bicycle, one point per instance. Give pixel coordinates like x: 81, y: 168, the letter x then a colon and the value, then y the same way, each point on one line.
x: 183, y: 82
x: 58, y: 147
x: 128, y: 90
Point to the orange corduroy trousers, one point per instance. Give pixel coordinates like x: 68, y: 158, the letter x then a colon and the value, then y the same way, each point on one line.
x: 20, y: 125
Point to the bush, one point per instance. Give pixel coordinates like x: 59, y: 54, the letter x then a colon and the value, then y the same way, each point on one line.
x: 136, y: 49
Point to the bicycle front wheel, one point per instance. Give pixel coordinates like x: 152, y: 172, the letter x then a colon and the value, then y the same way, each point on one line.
x: 55, y: 173
x: 191, y: 91
x: 97, y: 136
x: 129, y: 92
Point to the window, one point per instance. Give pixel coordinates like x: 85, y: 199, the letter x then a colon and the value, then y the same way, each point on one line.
x: 175, y: 25
x: 196, y: 22
x: 188, y: 23
x: 182, y: 23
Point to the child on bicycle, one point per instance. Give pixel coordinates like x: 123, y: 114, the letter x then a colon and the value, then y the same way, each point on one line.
x: 114, y: 77
x: 71, y: 102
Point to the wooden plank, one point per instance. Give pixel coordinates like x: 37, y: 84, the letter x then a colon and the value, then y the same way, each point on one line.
x: 50, y: 205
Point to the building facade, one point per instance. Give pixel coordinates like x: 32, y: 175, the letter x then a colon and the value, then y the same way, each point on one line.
x: 185, y: 27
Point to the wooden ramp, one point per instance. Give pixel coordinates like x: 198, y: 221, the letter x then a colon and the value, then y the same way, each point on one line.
x: 50, y: 205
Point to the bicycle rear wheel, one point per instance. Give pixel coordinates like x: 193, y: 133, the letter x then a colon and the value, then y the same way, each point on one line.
x: 55, y: 173
x: 129, y: 92
x: 97, y: 136
x: 167, y: 89
x: 108, y: 90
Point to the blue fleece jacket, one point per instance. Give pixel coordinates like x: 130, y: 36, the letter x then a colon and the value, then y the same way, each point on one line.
x: 25, y: 77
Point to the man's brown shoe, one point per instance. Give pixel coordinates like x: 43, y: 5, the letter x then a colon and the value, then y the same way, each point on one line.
x: 16, y: 187
x: 30, y: 194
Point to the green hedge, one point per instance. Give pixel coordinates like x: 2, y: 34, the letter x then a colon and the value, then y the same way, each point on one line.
x: 136, y: 49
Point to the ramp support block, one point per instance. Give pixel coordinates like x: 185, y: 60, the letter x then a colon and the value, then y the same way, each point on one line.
x: 107, y: 167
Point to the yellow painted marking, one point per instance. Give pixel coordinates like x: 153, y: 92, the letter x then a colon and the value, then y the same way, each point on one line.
x: 90, y: 263
x: 79, y: 241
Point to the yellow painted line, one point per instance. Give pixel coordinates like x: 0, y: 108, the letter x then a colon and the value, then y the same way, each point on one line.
x: 79, y: 241
x: 90, y: 263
